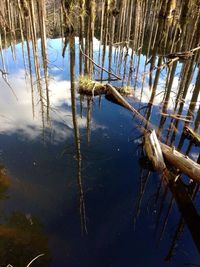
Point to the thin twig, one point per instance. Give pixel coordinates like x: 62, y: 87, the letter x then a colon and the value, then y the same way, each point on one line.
x: 117, y: 77
x: 3, y: 73
x: 34, y: 260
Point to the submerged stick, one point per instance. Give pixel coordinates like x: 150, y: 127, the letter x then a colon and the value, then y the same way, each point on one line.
x: 34, y: 260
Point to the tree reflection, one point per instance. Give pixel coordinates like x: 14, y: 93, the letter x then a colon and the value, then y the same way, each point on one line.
x: 135, y: 38
x: 77, y: 139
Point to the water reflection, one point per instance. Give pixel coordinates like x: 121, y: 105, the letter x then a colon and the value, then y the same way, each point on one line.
x: 77, y: 138
x: 136, y: 45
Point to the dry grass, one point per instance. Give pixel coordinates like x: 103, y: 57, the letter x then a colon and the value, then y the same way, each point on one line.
x: 126, y: 90
x: 89, y: 87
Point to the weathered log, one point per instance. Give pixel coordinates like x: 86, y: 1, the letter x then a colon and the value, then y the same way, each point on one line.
x: 153, y: 151
x: 175, y: 158
x: 181, y: 162
x: 120, y: 99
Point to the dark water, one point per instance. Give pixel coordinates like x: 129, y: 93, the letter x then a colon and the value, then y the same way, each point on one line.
x: 96, y: 204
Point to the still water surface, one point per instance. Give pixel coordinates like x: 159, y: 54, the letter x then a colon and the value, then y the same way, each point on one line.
x: 85, y: 199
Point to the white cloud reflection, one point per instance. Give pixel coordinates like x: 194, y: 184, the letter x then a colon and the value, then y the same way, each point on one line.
x: 17, y: 116
x: 158, y: 100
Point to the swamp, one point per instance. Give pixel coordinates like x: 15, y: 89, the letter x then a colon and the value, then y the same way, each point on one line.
x: 99, y: 133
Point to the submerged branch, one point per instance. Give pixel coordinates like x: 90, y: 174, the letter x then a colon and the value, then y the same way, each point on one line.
x: 34, y: 260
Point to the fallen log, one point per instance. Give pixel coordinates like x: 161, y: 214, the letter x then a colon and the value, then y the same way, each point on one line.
x: 175, y: 158
x: 181, y: 162
x: 120, y: 99
x: 153, y: 151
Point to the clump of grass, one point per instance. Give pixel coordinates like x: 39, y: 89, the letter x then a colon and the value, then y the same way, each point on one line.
x: 90, y: 87
x: 125, y: 90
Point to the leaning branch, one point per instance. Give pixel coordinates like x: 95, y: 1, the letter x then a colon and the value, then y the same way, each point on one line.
x: 114, y: 75
x: 34, y: 260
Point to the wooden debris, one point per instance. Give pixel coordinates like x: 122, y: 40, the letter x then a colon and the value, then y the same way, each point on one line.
x: 120, y: 99
x: 153, y: 151
x: 172, y: 156
x: 181, y: 162
x: 192, y: 135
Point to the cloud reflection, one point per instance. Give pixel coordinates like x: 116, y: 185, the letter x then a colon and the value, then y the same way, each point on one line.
x: 16, y: 116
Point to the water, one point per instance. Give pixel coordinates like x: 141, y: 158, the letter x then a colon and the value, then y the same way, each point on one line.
x: 76, y: 187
